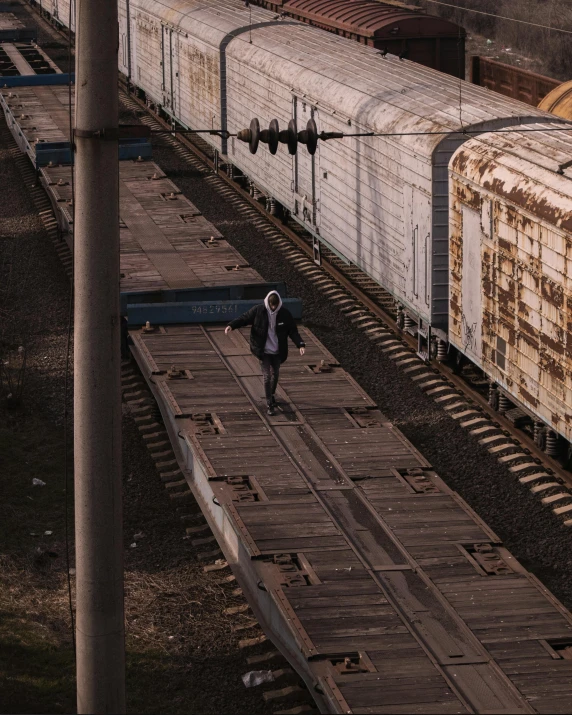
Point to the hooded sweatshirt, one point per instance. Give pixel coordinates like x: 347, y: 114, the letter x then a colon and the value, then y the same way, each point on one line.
x: 271, y: 346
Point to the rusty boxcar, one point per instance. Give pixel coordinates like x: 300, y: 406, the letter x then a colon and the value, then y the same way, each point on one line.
x: 511, y: 81
x: 511, y: 266
x: 397, y: 28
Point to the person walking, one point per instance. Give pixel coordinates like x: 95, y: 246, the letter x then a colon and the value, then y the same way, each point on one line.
x: 272, y: 325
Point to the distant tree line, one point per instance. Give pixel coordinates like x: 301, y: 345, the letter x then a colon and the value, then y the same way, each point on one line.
x: 553, y: 49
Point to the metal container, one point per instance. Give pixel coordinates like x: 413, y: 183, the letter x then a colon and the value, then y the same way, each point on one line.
x: 559, y: 101
x: 511, y: 81
x: 510, y: 266
x: 427, y: 39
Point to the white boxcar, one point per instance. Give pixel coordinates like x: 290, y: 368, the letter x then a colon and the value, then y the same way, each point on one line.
x: 60, y: 11
x: 511, y: 266
x: 380, y: 202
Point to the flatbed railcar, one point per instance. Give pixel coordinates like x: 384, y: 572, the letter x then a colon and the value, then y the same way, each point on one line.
x: 377, y: 582
x: 12, y: 29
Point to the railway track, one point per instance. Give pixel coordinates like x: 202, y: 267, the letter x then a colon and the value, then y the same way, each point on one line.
x: 373, y: 310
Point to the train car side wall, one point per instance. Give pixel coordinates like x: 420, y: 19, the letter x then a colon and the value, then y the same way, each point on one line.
x: 177, y: 71
x: 366, y: 198
x: 511, y: 295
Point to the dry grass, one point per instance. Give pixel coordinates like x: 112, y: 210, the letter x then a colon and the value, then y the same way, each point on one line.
x: 182, y: 656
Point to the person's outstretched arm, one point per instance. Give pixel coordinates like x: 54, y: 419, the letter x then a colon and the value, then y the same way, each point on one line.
x: 295, y: 336
x: 245, y: 319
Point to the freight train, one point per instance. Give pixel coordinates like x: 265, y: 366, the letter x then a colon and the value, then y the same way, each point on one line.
x: 459, y: 206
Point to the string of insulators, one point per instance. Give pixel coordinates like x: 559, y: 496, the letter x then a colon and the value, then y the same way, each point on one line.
x: 291, y: 136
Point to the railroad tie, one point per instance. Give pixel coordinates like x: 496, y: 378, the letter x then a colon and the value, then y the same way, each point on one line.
x: 159, y: 444
x: 474, y: 421
x: 298, y: 710
x: 246, y: 626
x: 423, y: 376
x: 407, y: 361
x: 521, y: 467
x: 218, y: 565
x: 250, y: 642
x: 465, y: 413
x: 191, y: 530
x: 181, y: 484
x: 188, y: 494
x: 146, y: 427
x: 556, y: 497
x: 449, y: 396
x: 420, y: 366
x: 534, y: 477
x: 501, y: 447
x: 263, y: 657
x: 512, y: 457
x: 206, y: 540
x: 563, y: 509
x: 286, y: 692
x: 543, y: 487
x: 439, y: 388
x: 481, y: 430
x: 493, y: 438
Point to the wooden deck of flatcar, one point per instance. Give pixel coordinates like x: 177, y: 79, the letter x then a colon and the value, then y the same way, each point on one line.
x: 41, y: 112
x: 166, y: 243
x: 379, y: 583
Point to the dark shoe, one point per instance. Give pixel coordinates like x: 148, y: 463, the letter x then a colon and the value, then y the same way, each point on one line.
x: 271, y: 410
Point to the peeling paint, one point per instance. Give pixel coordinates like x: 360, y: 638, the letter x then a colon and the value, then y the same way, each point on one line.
x: 526, y: 292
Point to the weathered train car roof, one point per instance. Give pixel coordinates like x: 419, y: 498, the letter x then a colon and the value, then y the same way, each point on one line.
x: 559, y: 101
x: 524, y: 168
x: 348, y: 79
x: 369, y: 18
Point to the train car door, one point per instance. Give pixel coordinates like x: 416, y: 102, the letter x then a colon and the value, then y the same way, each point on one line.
x: 306, y: 169
x: 170, y: 65
x: 471, y: 286
x: 174, y: 46
x: 417, y: 234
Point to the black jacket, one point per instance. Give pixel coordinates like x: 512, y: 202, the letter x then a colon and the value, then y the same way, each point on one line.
x: 258, y: 318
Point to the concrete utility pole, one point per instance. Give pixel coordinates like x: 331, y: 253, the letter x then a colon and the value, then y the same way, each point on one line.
x: 100, y: 633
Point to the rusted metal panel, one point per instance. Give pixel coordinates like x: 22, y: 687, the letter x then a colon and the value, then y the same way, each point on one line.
x: 511, y: 209
x: 512, y: 81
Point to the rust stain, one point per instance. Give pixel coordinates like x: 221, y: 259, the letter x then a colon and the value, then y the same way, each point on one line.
x: 529, y: 201
x: 552, y: 293
x: 506, y: 245
x: 523, y: 309
x: 555, y: 346
x: 531, y: 399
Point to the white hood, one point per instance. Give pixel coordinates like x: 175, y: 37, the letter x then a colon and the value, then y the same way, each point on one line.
x: 279, y: 302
